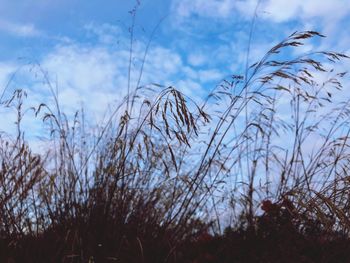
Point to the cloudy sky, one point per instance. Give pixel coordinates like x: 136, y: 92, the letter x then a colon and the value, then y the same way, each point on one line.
x: 82, y: 47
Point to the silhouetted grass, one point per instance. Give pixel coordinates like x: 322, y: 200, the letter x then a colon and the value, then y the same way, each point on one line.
x: 149, y: 186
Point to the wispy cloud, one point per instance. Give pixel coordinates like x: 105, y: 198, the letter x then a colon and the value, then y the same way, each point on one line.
x: 208, y: 8
x: 281, y: 11
x: 6, y: 69
x: 20, y: 30
x: 196, y: 59
x: 95, y: 74
x: 106, y: 33
x: 274, y: 10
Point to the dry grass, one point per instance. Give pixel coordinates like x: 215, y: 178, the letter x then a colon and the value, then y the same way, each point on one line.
x: 151, y: 179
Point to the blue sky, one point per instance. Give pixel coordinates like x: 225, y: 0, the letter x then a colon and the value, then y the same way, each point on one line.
x: 83, y: 45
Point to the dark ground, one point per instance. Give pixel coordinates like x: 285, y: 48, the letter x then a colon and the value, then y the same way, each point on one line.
x: 277, y: 236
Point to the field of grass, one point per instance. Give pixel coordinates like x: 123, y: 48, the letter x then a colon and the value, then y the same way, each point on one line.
x: 165, y: 179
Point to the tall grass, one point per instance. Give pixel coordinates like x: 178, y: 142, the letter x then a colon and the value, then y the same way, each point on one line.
x: 162, y: 168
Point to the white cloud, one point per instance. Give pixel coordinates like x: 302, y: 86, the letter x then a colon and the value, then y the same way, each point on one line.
x: 6, y: 70
x: 190, y: 72
x: 163, y: 61
x: 280, y: 11
x: 275, y: 10
x: 196, y: 59
x: 208, y: 8
x: 106, y: 33
x: 209, y: 75
x: 95, y: 76
x: 20, y: 30
x: 90, y: 76
x: 190, y: 88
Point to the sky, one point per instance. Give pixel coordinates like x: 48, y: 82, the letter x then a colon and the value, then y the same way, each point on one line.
x: 82, y: 47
